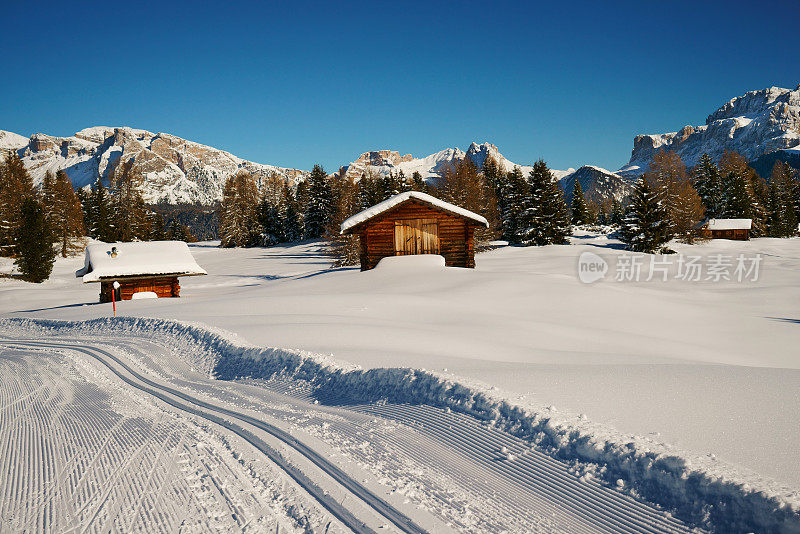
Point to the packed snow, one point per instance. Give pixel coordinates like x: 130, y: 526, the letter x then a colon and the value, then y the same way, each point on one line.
x: 701, y: 376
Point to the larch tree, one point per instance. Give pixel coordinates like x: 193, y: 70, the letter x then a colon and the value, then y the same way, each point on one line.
x: 320, y: 204
x: 16, y: 186
x: 65, y: 215
x: 238, y: 212
x: 646, y: 225
x: 34, y: 250
x: 464, y: 185
x: 668, y: 175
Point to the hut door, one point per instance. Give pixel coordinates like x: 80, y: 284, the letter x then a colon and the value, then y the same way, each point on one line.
x: 416, y: 236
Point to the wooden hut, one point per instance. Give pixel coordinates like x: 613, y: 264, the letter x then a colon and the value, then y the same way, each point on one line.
x: 415, y: 223
x: 738, y: 229
x: 143, y: 269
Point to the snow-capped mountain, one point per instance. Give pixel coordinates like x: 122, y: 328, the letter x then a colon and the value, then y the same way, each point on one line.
x: 175, y: 170
x: 754, y: 124
x: 597, y: 184
x: 382, y: 162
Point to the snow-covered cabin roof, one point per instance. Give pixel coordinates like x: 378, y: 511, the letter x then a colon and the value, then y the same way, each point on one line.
x: 145, y: 258
x: 396, y: 200
x: 729, y: 224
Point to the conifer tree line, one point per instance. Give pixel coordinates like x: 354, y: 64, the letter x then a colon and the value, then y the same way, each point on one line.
x: 36, y: 224
x: 525, y: 210
x: 670, y: 201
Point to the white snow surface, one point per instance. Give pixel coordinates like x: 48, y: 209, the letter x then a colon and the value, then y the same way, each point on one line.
x: 12, y: 141
x: 137, y: 258
x: 704, y: 372
x: 396, y: 200
x: 730, y: 224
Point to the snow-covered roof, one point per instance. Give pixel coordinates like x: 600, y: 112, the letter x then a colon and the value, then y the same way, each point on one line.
x: 137, y: 259
x: 729, y: 224
x: 396, y: 200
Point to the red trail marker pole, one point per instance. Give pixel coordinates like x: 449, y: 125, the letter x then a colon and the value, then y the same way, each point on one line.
x: 114, y: 288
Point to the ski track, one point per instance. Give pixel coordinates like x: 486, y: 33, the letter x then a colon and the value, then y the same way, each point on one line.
x: 533, y: 492
x: 75, y: 458
x: 448, y: 463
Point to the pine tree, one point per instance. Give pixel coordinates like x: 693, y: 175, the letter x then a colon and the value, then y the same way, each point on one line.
x: 782, y: 218
x: 545, y: 219
x: 580, y: 211
x: 645, y: 227
x: 158, y: 230
x: 617, y: 212
x: 100, y: 211
x: 65, y: 216
x: 512, y: 194
x: 344, y: 249
x: 269, y: 218
x: 320, y: 208
x: 555, y: 211
x: 417, y: 183
x: 292, y: 225
x: 179, y: 232
x: 238, y: 212
x: 16, y: 186
x: 744, y: 193
x: 129, y: 212
x: 708, y: 183
x: 34, y: 243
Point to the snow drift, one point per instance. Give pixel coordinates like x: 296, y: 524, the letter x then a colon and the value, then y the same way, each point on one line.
x: 692, y: 495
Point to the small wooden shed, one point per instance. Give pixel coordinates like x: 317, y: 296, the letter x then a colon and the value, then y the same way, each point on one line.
x: 415, y: 223
x: 148, y: 268
x: 737, y: 229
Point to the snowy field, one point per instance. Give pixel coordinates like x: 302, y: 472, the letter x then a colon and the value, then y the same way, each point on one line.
x: 708, y: 371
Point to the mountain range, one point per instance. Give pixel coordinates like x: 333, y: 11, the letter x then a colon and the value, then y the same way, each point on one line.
x: 763, y: 125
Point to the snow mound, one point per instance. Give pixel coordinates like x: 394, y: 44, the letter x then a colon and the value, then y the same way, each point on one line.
x: 690, y: 494
x: 416, y: 262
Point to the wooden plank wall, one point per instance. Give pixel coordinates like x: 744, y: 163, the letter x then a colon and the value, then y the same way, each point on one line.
x: 456, y: 235
x: 165, y: 287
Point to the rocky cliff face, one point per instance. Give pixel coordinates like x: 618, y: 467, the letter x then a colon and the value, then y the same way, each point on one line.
x: 755, y: 124
x: 175, y: 170
x: 597, y: 184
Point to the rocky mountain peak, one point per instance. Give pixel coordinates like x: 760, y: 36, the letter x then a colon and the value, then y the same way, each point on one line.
x: 754, y: 124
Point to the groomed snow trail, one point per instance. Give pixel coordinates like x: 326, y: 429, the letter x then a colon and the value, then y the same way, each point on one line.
x: 475, y: 477
x: 200, y: 408
x: 75, y: 456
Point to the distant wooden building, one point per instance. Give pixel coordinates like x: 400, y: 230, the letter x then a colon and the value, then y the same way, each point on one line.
x: 415, y: 223
x: 143, y: 269
x: 738, y: 229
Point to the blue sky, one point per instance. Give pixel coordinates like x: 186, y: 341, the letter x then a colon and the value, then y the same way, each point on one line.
x: 297, y: 83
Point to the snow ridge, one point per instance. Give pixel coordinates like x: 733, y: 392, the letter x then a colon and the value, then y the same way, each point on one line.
x: 695, y: 495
